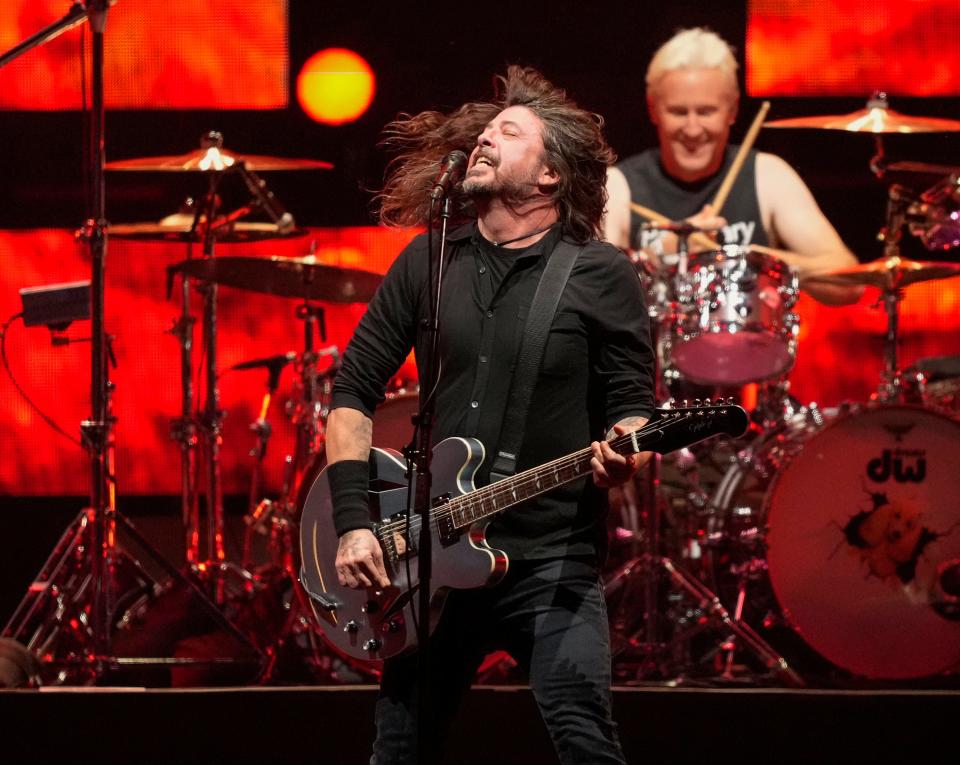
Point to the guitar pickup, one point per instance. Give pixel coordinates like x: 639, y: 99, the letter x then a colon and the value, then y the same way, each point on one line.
x: 399, y: 543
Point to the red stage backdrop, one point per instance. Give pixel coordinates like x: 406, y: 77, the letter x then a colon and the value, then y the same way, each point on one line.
x: 839, y: 357
x: 852, y: 47
x: 252, y: 325
x: 210, y: 54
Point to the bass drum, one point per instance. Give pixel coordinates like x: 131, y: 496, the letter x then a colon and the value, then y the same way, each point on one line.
x: 858, y: 524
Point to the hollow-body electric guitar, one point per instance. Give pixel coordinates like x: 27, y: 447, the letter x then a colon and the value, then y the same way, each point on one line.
x: 375, y: 623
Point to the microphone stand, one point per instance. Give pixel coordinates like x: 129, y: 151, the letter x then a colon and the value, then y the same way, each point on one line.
x: 423, y: 480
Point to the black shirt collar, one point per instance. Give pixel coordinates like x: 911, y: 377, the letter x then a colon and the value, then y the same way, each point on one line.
x: 543, y: 247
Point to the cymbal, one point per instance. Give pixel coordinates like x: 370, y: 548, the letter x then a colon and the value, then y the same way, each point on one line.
x: 238, y: 231
x: 873, y: 119
x: 213, y: 158
x: 287, y: 277
x: 889, y: 273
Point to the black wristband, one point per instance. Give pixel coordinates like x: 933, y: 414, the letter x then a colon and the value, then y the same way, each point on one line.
x: 349, y: 481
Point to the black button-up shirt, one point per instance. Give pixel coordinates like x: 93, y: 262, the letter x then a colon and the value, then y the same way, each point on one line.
x: 597, y: 367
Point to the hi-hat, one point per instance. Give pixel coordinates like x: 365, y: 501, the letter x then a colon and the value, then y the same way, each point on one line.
x: 874, y: 119
x: 889, y: 274
x: 287, y: 277
x: 214, y: 159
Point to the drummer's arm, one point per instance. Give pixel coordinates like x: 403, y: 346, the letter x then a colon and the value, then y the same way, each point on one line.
x: 810, y: 243
x: 616, y: 218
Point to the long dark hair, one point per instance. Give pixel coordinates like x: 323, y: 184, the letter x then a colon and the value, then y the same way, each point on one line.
x: 572, y: 137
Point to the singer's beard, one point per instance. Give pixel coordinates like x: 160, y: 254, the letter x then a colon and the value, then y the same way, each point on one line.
x: 511, y: 191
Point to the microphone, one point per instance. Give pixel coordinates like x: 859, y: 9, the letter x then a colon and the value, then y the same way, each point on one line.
x: 451, y: 171
x: 265, y: 198
x: 270, y: 361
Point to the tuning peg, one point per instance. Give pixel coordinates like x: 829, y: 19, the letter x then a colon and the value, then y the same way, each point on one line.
x: 707, y: 402
x: 697, y: 402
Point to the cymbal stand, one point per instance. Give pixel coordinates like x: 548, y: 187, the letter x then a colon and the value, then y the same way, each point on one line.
x: 210, y: 422
x: 184, y: 429
x: 279, y: 519
x: 892, y: 386
x: 662, y: 655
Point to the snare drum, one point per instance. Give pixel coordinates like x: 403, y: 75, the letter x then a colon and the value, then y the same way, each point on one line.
x: 733, y: 324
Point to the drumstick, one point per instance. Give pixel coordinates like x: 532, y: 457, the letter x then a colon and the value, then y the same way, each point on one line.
x: 697, y: 237
x: 734, y: 171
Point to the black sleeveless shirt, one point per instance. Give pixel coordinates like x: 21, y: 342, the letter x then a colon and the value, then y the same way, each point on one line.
x: 651, y: 187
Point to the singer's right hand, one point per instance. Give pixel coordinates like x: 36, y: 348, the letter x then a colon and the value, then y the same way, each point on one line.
x: 360, y: 560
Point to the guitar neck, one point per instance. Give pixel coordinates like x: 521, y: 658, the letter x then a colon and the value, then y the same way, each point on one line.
x: 695, y: 424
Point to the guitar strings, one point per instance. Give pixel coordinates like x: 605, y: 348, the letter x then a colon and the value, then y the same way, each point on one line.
x: 528, y: 478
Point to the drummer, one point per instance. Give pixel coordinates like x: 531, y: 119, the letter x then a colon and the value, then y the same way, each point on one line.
x: 692, y: 97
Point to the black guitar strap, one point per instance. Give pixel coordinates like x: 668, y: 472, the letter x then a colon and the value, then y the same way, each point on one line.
x: 530, y: 356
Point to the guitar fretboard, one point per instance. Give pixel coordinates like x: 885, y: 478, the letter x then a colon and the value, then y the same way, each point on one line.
x: 470, y: 508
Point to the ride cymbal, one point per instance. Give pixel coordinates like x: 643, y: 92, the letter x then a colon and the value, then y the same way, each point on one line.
x: 287, y: 277
x: 214, y: 159
x: 889, y: 273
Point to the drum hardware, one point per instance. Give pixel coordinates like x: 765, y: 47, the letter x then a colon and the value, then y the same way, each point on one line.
x: 278, y: 519
x: 938, y: 381
x: 935, y: 215
x: 891, y: 274
x: 662, y: 656
x: 208, y: 226
x: 73, y: 607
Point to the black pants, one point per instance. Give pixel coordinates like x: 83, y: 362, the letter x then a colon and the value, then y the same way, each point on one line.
x: 550, y: 616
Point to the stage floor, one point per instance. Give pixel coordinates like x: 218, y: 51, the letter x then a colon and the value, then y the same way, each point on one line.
x: 497, y: 723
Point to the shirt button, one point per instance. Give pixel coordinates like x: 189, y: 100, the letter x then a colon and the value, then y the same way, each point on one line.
x: 489, y: 314
x: 483, y: 359
x: 474, y: 404
x: 483, y: 270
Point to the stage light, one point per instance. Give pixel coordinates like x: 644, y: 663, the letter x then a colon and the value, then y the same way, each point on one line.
x: 335, y: 86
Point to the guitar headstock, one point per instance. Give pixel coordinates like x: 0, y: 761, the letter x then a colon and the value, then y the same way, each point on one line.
x: 686, y: 425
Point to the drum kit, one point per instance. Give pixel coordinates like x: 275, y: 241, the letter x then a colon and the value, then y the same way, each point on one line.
x: 824, y: 546
x: 838, y: 528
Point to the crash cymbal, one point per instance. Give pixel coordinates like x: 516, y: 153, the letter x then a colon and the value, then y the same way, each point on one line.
x: 873, y: 119
x: 238, y: 231
x: 288, y: 277
x: 214, y: 158
x: 889, y: 273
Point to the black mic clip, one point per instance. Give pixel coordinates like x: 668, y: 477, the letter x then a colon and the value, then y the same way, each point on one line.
x: 270, y: 362
x: 452, y: 169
